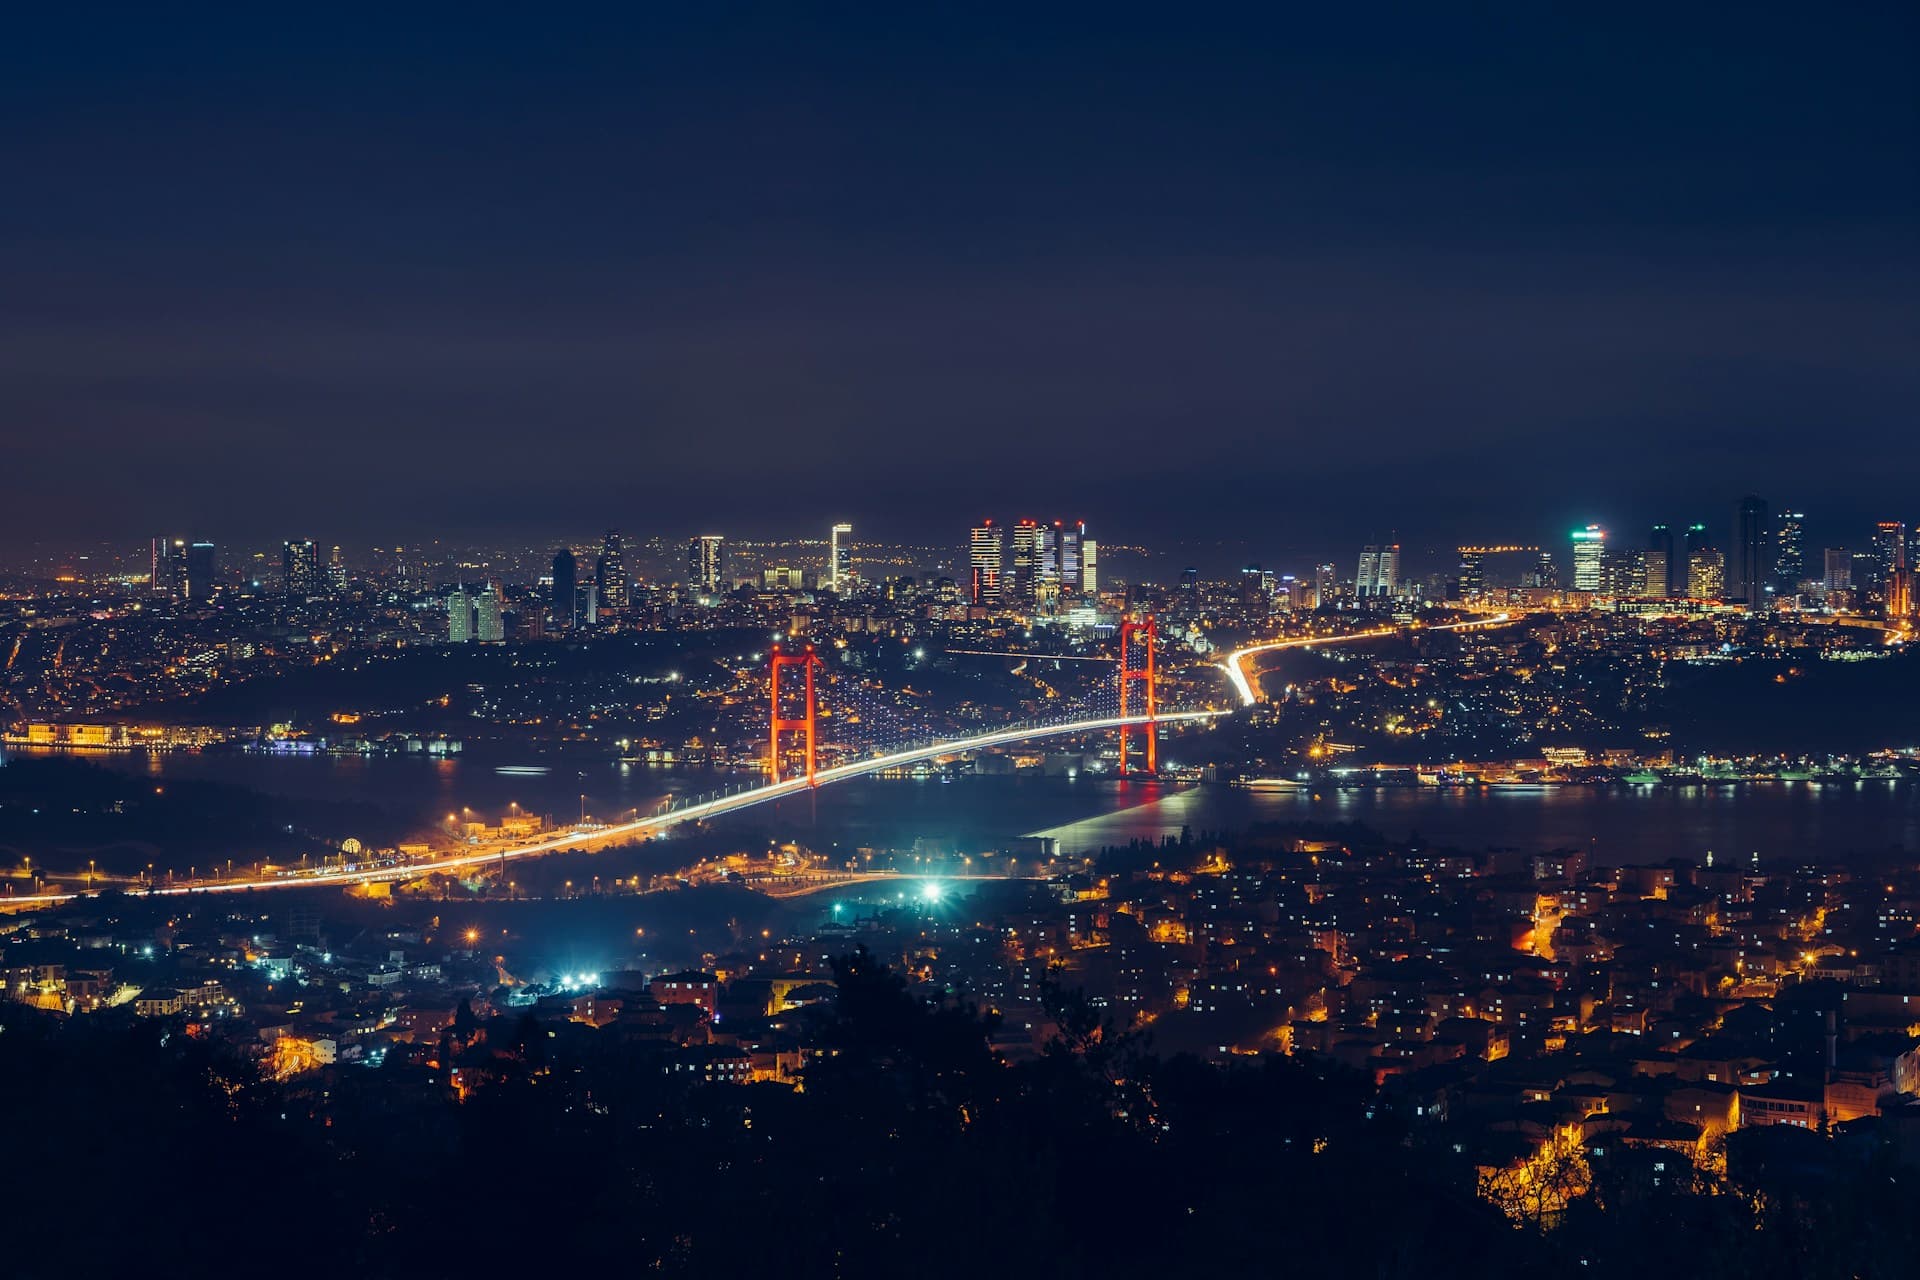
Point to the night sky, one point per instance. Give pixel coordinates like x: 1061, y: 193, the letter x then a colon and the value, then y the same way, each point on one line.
x: 1296, y: 275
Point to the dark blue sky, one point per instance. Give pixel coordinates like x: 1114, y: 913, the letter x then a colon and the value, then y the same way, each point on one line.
x: 1293, y: 274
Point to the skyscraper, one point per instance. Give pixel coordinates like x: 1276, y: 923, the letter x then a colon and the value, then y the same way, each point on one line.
x: 707, y: 563
x: 610, y: 574
x: 983, y: 559
x: 1789, y: 552
x: 1590, y: 559
x: 1089, y: 564
x: 459, y: 616
x: 1751, y: 569
x: 840, y: 558
x: 1707, y: 574
x: 1546, y: 574
x: 1838, y: 575
x: 1663, y: 564
x: 1067, y: 539
x: 201, y: 564
x: 160, y: 571
x: 300, y: 569
x: 1886, y: 553
x: 1379, y: 570
x: 565, y: 606
x: 488, y: 625
x: 1026, y: 560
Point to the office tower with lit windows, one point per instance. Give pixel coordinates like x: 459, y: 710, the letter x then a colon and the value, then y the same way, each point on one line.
x: 1750, y: 567
x: 336, y: 572
x: 1379, y: 572
x: 983, y: 561
x: 1590, y: 559
x: 489, y: 627
x: 1885, y: 553
x: 1838, y: 570
x: 1025, y: 567
x: 1789, y: 552
x: 300, y: 569
x: 1900, y: 597
x: 1653, y: 581
x: 1089, y: 564
x: 706, y: 564
x: 160, y: 567
x: 202, y: 563
x: 1469, y: 576
x: 1546, y: 574
x: 840, y: 558
x: 1663, y: 563
x: 1067, y: 537
x: 1626, y: 571
x: 564, y: 603
x: 610, y: 574
x: 1707, y: 573
x: 459, y: 616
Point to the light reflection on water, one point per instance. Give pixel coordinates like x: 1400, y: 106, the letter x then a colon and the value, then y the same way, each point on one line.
x: 1780, y: 820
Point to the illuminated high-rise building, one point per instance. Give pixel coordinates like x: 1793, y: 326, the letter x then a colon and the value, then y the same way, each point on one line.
x: 459, y: 616
x: 1707, y: 573
x: 1590, y: 559
x: 1657, y: 569
x: 1750, y: 568
x: 610, y: 574
x: 564, y: 605
x: 1067, y: 538
x: 1885, y: 553
x: 160, y: 571
x: 1789, y: 552
x: 1469, y: 578
x: 1028, y: 536
x: 707, y: 564
x: 1379, y: 572
x: 489, y: 627
x: 336, y: 574
x: 1838, y: 574
x: 1546, y: 574
x: 1089, y: 564
x: 983, y: 560
x: 840, y: 558
x: 1663, y: 558
x: 202, y: 563
x: 300, y: 569
x: 1900, y: 597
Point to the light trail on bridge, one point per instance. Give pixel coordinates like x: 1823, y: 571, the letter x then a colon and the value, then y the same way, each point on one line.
x: 1235, y: 667
x: 640, y: 826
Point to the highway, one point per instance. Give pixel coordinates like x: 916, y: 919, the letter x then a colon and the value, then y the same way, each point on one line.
x: 1235, y: 664
x: 640, y: 827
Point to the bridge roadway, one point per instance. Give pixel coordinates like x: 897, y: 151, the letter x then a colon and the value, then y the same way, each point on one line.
x: 640, y: 827
x: 1243, y: 684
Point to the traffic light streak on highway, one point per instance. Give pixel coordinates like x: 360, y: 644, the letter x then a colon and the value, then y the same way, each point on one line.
x: 1243, y: 684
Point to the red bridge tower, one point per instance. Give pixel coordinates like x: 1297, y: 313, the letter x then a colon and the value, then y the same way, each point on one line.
x: 1148, y: 636
x: 806, y: 661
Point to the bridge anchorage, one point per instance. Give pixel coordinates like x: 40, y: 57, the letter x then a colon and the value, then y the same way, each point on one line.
x: 803, y: 725
x: 1139, y: 637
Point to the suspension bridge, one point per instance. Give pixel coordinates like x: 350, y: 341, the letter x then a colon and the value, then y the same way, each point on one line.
x: 793, y: 768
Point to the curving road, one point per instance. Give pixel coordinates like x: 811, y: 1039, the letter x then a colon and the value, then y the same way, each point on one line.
x: 640, y: 827
x: 1235, y: 664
